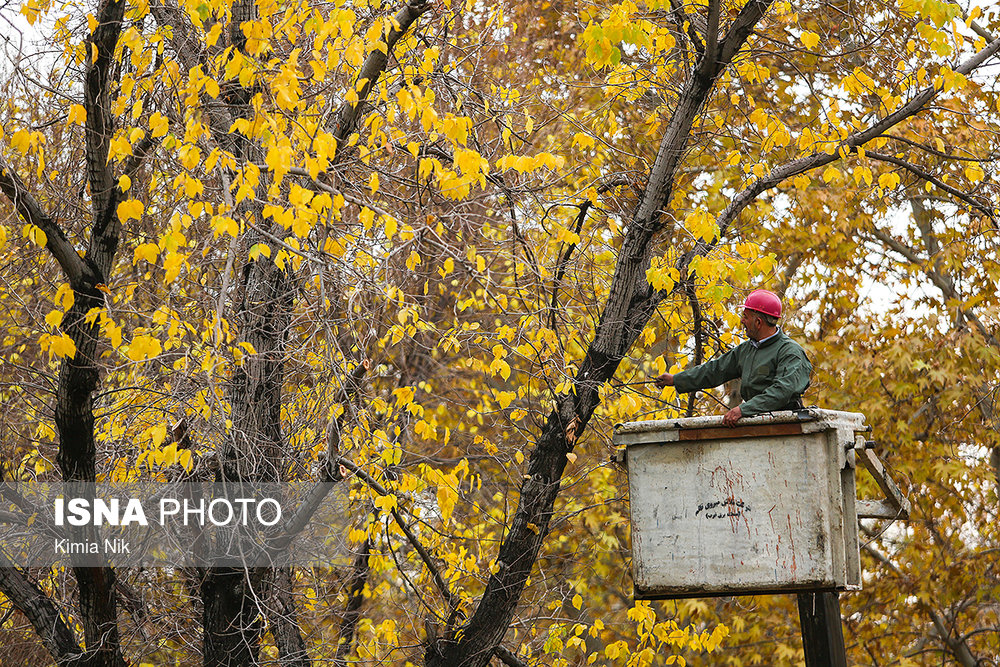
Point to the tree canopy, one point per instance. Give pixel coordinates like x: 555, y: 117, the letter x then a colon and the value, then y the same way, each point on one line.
x: 434, y: 251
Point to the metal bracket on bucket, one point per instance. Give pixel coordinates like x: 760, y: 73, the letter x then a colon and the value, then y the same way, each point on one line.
x: 894, y: 505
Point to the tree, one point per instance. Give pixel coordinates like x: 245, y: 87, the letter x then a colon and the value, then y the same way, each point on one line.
x: 426, y: 247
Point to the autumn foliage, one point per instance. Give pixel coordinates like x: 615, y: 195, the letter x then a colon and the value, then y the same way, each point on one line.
x: 435, y: 251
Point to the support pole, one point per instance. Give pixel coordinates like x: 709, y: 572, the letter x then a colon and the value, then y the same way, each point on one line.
x: 822, y: 629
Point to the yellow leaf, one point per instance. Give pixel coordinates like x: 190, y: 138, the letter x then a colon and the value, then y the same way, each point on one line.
x: 77, y: 114
x: 143, y: 347
x: 504, y: 398
x: 190, y: 155
x: 367, y: 218
x: 446, y: 498
x: 172, y: 266
x: 36, y: 235
x: 413, y: 260
x: 888, y: 181
x: 373, y: 183
x: 583, y: 140
x: 124, y: 183
x: 21, y: 140
x: 64, y: 296
x: 159, y: 124
x: 577, y: 601
x: 863, y: 174
x: 130, y: 208
x: 974, y: 172
x: 62, y: 346
x: 500, y: 366
x: 702, y: 225
x: 390, y: 227
x: 831, y: 174
x: 184, y: 456
x: 54, y: 318
x: 260, y: 249
x: 809, y: 39
x: 279, y: 160
x: 404, y: 396
x: 471, y: 162
x: 386, y: 503
x: 213, y: 35
x: 157, y: 434
x: 112, y: 332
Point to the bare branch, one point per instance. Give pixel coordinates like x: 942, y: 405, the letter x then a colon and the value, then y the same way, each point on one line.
x: 411, y: 538
x: 692, y: 99
x: 815, y: 160
x: 941, y: 154
x: 954, y: 192
x: 561, y: 268
x: 699, y: 336
x: 940, y: 280
x: 957, y: 646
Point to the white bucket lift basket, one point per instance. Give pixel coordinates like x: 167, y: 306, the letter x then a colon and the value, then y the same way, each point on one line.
x: 768, y: 506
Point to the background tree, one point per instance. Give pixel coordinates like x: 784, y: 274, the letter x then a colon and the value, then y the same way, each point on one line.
x: 432, y: 252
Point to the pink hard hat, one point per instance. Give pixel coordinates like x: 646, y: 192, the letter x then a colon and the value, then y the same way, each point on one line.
x: 764, y: 301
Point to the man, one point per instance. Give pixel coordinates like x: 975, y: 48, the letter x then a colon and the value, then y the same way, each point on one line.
x: 773, y: 369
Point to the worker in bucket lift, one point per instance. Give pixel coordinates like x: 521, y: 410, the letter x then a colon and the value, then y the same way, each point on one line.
x: 773, y: 369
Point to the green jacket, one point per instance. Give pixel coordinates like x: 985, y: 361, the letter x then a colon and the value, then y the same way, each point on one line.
x: 773, y: 375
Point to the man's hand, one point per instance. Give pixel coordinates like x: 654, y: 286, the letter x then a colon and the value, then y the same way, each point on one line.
x: 730, y: 418
x: 665, y: 380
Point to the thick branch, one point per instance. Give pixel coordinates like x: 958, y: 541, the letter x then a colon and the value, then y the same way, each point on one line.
x: 189, y: 51
x: 685, y: 18
x: 712, y: 31
x: 508, y: 657
x: 41, y: 612
x: 355, y: 598
x: 99, y: 129
x: 373, y: 67
x: 285, y: 623
x: 630, y: 304
x: 692, y: 99
x: 80, y: 276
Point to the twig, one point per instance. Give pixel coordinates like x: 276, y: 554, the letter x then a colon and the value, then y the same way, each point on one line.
x: 424, y: 555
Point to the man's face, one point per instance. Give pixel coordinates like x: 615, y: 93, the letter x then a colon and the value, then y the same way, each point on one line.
x: 751, y: 324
